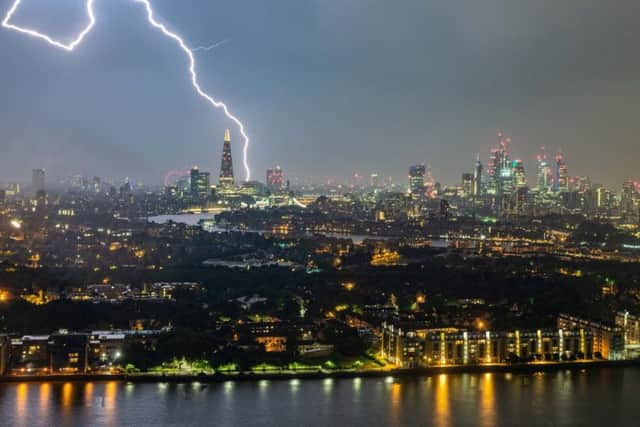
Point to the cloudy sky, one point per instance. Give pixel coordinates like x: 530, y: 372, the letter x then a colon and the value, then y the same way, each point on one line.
x: 325, y: 87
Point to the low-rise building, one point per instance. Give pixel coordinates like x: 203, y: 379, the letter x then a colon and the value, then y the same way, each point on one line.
x: 412, y: 347
x: 630, y: 324
x: 69, y: 353
x: 29, y: 355
x: 608, y: 339
x: 105, y: 350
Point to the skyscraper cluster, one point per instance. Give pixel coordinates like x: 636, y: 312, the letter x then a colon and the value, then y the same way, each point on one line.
x: 505, y: 176
x: 501, y: 170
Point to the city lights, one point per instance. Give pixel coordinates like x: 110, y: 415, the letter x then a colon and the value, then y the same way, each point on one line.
x: 405, y: 282
x: 7, y: 23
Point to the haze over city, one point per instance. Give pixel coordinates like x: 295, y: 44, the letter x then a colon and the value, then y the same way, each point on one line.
x: 364, y: 88
x: 319, y: 213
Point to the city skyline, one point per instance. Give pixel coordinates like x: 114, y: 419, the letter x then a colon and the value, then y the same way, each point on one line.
x: 548, y: 171
x: 319, y: 213
x: 545, y: 94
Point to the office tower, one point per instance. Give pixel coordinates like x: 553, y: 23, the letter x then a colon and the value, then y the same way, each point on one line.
x: 374, y: 181
x: 603, y: 198
x: 518, y: 200
x: 582, y: 184
x: 467, y: 184
x: 3, y: 196
x: 416, y: 180
x: 37, y: 180
x: 477, y: 178
x: 543, y: 173
x: 500, y: 172
x: 561, y: 177
x: 505, y: 168
x: 275, y: 179
x: 200, y: 184
x: 628, y: 208
x: 226, y: 167
x: 519, y: 176
x: 431, y: 187
x: 492, y: 172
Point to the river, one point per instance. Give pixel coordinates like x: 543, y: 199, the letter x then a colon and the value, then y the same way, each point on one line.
x: 194, y: 219
x: 592, y: 397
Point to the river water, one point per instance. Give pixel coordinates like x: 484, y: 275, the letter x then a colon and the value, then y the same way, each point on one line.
x: 194, y: 219
x: 592, y: 397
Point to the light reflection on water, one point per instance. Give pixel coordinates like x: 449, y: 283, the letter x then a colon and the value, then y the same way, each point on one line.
x: 560, y: 398
x: 487, y: 401
x: 21, y: 402
x: 442, y: 417
x: 45, y: 398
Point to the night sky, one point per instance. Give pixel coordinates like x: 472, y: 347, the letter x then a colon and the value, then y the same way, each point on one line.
x: 325, y: 87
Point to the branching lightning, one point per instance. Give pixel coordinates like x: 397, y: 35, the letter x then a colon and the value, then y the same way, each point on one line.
x: 33, y: 33
x: 210, y: 47
x: 6, y: 23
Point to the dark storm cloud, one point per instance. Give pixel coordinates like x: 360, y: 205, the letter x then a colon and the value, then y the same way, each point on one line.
x: 363, y: 85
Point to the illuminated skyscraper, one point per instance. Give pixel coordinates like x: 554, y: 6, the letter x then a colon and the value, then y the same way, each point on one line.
x: 416, y: 180
x: 603, y: 198
x: 543, y: 173
x: 500, y: 170
x: 467, y: 184
x: 519, y: 176
x: 226, y: 167
x: 492, y: 171
x: 477, y: 178
x: 200, y: 184
x: 37, y: 180
x: 275, y: 179
x: 561, y: 174
x: 628, y: 202
x: 582, y: 184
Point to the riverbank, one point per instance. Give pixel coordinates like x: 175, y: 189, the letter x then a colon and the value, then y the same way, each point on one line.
x: 530, y: 368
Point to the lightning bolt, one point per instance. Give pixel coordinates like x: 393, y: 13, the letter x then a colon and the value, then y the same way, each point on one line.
x: 6, y: 23
x: 210, y: 47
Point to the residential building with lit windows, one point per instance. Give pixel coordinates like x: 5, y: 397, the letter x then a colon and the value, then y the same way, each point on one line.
x: 30, y: 355
x: 608, y: 339
x: 630, y: 324
x: 402, y: 343
x: 105, y: 350
x: 68, y: 352
x: 411, y: 347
